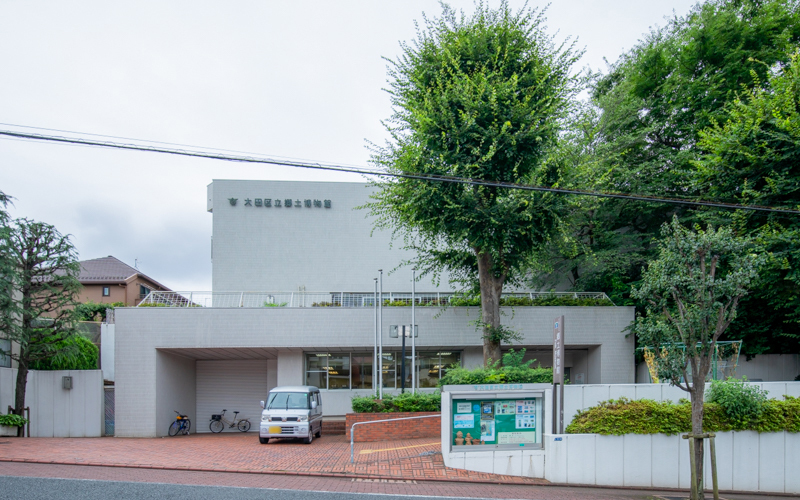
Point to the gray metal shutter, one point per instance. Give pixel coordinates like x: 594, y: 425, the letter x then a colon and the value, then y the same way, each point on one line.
x: 233, y: 385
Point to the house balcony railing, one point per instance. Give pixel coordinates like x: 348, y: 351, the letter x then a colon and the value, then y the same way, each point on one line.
x: 351, y: 299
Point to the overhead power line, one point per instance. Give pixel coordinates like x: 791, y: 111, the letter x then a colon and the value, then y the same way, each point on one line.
x: 365, y: 171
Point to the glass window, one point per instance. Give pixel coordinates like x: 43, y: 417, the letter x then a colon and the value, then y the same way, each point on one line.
x: 339, y: 371
x: 433, y: 366
x: 317, y: 369
x: 288, y: 401
x: 361, y: 370
x: 106, y: 291
x: 389, y: 369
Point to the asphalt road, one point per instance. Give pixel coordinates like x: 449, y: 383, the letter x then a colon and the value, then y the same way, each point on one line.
x: 36, y: 488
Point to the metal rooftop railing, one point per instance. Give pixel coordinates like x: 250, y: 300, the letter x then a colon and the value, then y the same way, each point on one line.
x: 344, y: 299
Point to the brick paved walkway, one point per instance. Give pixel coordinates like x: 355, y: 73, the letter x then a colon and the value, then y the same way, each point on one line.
x: 412, y: 459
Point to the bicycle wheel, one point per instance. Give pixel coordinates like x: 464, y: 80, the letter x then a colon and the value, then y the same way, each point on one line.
x: 216, y: 426
x: 188, y: 426
x: 244, y: 425
x: 174, y: 428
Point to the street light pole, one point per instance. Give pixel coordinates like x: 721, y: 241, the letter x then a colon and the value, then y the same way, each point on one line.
x: 380, y: 337
x: 413, y: 332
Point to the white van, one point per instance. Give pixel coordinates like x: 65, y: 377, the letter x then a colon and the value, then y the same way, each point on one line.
x: 291, y: 412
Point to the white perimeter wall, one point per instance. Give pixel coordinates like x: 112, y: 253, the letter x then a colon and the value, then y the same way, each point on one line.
x: 746, y: 461
x: 58, y: 412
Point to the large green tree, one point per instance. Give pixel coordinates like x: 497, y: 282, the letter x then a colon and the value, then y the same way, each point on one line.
x: 478, y: 97
x: 643, y: 135
x: 754, y: 157
x: 42, y: 280
x: 692, y: 291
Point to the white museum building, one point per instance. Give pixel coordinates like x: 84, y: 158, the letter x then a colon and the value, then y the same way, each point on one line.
x: 293, y: 302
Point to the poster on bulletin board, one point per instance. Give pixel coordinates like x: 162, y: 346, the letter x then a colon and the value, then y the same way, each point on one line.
x: 496, y: 422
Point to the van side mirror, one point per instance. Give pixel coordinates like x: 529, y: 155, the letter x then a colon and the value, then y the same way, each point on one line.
x: 262, y: 405
x: 313, y: 405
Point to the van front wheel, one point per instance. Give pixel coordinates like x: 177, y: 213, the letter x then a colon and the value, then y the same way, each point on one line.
x: 310, y: 436
x: 263, y: 440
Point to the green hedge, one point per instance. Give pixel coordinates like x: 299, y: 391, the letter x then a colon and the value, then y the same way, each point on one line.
x: 513, y: 371
x: 407, y: 402
x: 645, y: 416
x: 84, y: 357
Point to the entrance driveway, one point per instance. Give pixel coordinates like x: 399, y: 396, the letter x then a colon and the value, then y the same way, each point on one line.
x: 412, y: 459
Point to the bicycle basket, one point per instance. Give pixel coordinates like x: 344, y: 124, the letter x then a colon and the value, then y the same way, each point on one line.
x: 216, y: 417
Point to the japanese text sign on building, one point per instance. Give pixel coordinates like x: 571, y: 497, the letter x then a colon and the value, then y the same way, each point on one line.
x: 282, y: 203
x: 558, y: 350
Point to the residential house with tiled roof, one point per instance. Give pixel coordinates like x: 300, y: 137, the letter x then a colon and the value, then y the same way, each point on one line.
x: 108, y: 280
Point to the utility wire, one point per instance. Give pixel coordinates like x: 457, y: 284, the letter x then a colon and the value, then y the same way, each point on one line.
x: 363, y: 171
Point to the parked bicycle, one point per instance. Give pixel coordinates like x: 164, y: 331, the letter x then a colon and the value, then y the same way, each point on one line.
x: 218, y: 422
x: 182, y: 425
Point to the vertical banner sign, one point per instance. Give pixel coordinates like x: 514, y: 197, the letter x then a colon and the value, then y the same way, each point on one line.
x: 558, y: 350
x: 558, y: 374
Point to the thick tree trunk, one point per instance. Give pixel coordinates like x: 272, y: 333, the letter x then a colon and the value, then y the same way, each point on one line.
x: 19, y: 394
x: 491, y: 290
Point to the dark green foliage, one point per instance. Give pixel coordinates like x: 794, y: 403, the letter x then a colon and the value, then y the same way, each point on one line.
x: 40, y: 269
x: 754, y: 157
x: 94, y: 311
x: 512, y: 371
x: 740, y: 401
x: 84, y: 355
x: 479, y: 97
x: 644, y: 416
x: 13, y: 420
x: 406, y: 402
x: 650, y: 124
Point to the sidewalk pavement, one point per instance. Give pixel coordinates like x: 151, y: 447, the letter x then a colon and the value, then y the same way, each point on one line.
x: 413, y: 466
x: 412, y: 459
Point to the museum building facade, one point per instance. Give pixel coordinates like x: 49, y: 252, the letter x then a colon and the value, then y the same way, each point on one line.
x: 295, y: 271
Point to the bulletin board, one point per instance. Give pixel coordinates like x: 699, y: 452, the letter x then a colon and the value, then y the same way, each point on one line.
x: 495, y: 421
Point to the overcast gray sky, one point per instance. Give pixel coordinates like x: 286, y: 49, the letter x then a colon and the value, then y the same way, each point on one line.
x: 300, y: 79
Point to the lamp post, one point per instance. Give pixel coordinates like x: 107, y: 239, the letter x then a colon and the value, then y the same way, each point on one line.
x: 413, y: 332
x: 380, y: 336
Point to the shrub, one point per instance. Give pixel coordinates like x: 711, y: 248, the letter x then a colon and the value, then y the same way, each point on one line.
x: 740, y: 402
x: 406, y: 402
x: 12, y: 420
x: 644, y: 416
x: 82, y: 355
x: 94, y: 311
x: 513, y: 371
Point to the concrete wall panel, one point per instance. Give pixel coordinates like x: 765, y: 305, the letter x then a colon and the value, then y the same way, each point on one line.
x: 533, y: 463
x: 508, y: 463
x: 581, y: 459
x: 610, y: 454
x: 791, y: 453
x: 746, y: 465
x: 665, y: 461
x: 637, y: 460
x: 771, y: 453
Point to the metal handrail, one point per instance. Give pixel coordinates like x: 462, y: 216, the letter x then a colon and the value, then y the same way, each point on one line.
x: 242, y: 299
x: 353, y: 428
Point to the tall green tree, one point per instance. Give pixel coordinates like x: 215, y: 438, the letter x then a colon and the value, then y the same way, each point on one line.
x: 43, y: 283
x: 692, y: 291
x: 478, y: 97
x: 754, y: 157
x: 651, y: 108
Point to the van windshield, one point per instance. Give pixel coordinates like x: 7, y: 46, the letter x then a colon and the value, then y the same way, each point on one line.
x: 288, y: 401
